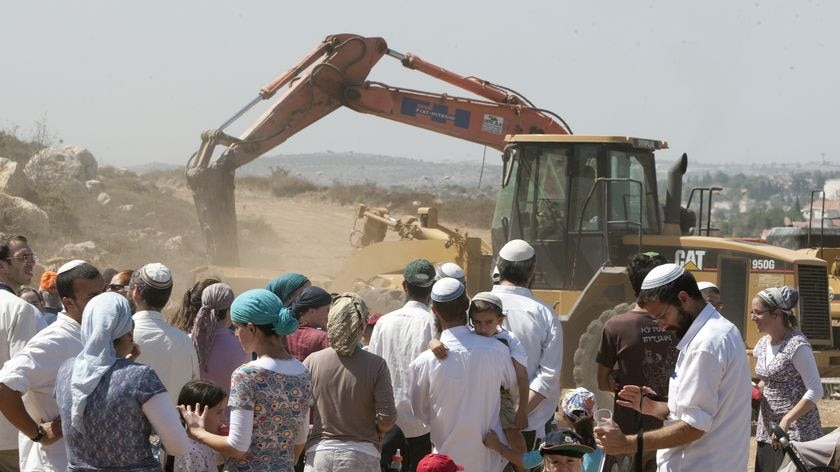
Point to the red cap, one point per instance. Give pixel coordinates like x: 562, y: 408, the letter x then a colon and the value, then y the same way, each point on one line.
x: 372, y: 319
x: 438, y: 463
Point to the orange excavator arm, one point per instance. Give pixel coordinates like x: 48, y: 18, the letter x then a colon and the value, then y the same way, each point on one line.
x: 333, y: 75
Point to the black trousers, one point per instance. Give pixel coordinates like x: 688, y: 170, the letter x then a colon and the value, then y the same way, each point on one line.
x: 412, y: 449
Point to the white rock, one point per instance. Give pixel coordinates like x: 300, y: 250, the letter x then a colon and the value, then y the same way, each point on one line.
x: 12, y: 178
x: 103, y: 198
x: 94, y: 185
x: 63, y: 170
x: 20, y: 216
x: 127, y: 207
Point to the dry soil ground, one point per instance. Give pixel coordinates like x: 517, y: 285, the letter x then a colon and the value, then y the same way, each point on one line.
x: 312, y: 237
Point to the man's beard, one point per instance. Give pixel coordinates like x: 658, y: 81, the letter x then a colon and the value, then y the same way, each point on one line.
x: 684, y: 321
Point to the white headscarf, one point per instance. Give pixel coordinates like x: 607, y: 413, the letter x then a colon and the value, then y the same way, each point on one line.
x: 106, y: 317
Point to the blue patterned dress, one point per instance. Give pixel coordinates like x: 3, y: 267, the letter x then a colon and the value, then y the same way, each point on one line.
x: 117, y: 432
x: 280, y: 404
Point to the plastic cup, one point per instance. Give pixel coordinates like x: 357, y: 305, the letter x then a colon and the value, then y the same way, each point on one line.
x: 603, y: 419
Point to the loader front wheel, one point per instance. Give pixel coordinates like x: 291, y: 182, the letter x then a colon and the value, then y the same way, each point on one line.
x: 585, y: 367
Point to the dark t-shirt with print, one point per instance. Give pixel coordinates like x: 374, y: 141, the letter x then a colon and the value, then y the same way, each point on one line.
x: 640, y: 354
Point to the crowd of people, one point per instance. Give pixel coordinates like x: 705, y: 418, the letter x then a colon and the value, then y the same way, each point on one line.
x: 291, y: 377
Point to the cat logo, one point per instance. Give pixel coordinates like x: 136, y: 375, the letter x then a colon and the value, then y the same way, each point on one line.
x: 691, y: 259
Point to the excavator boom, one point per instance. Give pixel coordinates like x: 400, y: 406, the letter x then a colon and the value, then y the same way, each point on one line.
x: 334, y: 75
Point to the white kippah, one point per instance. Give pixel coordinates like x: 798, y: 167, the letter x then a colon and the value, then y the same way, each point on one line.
x: 451, y: 269
x: 516, y: 250
x: 446, y: 290
x: 156, y: 275
x: 661, y: 275
x: 705, y: 285
x: 488, y: 297
x: 70, y: 266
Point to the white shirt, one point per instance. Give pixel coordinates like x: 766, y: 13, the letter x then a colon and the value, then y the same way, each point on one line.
x: 539, y: 331
x: 710, y: 390
x: 33, y: 371
x: 167, y: 350
x: 517, y: 350
x: 459, y: 396
x: 17, y: 326
x: 399, y: 337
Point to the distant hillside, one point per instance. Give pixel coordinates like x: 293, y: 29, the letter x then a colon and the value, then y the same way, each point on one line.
x: 386, y: 171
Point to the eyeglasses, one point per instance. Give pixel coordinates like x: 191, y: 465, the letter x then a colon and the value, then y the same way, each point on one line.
x: 115, y: 288
x: 25, y: 258
x: 759, y: 312
x: 663, y: 314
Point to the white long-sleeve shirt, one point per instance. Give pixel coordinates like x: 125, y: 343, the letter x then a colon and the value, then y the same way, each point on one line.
x: 167, y: 350
x: 458, y: 397
x: 32, y: 372
x: 399, y: 337
x: 17, y: 327
x: 540, y: 332
x: 710, y: 391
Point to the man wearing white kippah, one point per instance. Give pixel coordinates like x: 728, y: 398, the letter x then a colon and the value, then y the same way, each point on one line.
x: 27, y: 381
x: 458, y: 397
x: 167, y: 350
x: 707, y: 414
x: 537, y: 328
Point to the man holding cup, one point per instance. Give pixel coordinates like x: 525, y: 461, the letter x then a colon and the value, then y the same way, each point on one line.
x: 707, y: 415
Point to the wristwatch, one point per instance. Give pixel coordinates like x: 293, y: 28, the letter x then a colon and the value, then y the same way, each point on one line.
x: 41, y: 433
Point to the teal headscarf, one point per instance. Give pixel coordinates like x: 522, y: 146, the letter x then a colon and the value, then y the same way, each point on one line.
x: 285, y: 285
x: 261, y: 307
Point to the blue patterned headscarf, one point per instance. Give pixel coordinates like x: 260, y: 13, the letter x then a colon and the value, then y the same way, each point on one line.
x: 285, y: 285
x: 261, y: 307
x: 106, y: 317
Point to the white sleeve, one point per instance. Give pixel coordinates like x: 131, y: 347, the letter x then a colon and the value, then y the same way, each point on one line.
x: 806, y: 365
x: 241, y: 427
x: 551, y: 358
x: 303, y: 431
x: 166, y: 421
x: 418, y: 390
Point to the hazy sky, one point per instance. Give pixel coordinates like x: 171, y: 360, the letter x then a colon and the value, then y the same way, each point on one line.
x: 724, y: 81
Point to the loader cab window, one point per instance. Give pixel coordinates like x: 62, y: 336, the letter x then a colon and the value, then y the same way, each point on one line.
x: 629, y: 201
x: 533, y: 203
x: 587, y: 195
x: 533, y: 206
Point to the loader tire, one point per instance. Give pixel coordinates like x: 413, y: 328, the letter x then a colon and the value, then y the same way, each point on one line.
x: 382, y: 300
x: 585, y: 367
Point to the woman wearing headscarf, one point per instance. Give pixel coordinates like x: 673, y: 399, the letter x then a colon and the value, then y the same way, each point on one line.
x: 219, y: 352
x: 288, y: 287
x: 108, y: 403
x: 311, y: 310
x: 354, y: 401
x: 789, y: 379
x: 269, y: 396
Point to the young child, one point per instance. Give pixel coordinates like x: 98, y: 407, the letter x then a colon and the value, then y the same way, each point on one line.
x: 564, y: 451
x: 578, y: 406
x: 203, y: 394
x: 486, y: 316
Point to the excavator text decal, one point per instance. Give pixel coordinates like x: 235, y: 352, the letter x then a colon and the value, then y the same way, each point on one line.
x: 438, y: 113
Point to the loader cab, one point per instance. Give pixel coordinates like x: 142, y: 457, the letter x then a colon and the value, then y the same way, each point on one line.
x: 574, y: 198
